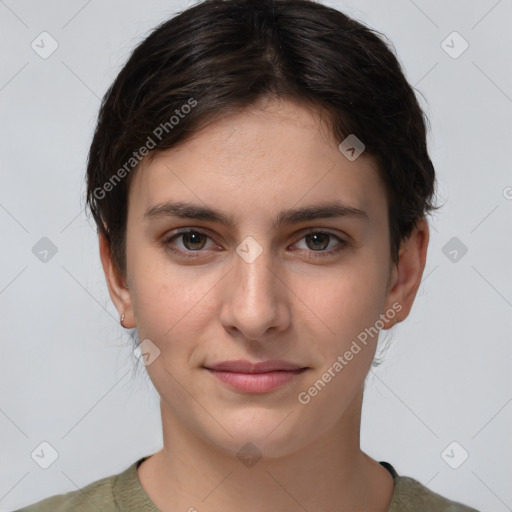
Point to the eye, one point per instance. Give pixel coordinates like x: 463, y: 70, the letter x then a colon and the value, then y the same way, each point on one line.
x: 192, y: 242
x: 318, y: 241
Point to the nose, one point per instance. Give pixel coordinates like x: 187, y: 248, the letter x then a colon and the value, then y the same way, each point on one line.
x: 255, y: 298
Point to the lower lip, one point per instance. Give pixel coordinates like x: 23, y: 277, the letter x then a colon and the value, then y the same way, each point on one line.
x: 256, y: 382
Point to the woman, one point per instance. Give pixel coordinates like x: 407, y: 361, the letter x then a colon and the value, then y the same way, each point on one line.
x: 260, y: 181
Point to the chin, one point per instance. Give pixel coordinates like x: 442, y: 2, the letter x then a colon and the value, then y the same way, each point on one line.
x: 261, y: 433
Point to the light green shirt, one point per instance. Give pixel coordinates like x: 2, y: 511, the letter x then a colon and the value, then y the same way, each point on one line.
x: 124, y: 493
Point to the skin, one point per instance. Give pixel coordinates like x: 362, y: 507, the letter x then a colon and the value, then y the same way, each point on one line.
x: 286, y: 304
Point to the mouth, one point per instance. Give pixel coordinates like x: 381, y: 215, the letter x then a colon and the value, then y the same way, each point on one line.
x: 247, y: 377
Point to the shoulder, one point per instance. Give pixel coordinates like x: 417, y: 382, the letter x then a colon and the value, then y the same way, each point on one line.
x: 98, y: 495
x: 412, y: 496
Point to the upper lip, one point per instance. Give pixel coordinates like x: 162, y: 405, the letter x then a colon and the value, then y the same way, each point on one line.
x: 243, y: 366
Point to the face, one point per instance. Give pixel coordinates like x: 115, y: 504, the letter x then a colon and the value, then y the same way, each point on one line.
x: 302, y: 290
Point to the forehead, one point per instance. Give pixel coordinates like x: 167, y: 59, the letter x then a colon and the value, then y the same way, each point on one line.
x: 259, y: 161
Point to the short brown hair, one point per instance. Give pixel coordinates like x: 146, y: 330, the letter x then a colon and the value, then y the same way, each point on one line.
x: 223, y: 55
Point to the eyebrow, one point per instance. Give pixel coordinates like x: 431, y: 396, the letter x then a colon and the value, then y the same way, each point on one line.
x: 185, y: 210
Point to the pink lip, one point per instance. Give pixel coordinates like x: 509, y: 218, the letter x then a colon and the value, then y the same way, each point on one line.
x: 255, y: 377
x: 244, y: 366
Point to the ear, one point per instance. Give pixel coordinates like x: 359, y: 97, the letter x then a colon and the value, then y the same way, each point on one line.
x: 406, y: 275
x: 116, y: 283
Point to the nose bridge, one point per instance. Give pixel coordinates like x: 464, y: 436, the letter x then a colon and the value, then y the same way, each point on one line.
x: 254, y: 301
x: 254, y: 272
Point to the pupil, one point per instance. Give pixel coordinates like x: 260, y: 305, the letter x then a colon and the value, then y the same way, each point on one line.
x: 321, y: 235
x: 189, y: 236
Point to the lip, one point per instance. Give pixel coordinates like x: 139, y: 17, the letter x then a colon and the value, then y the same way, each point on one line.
x: 247, y: 377
x: 244, y: 366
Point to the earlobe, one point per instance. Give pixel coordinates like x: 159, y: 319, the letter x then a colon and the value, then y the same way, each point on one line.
x: 116, y: 282
x: 408, y: 272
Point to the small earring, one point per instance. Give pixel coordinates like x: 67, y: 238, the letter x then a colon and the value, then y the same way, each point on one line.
x: 122, y: 319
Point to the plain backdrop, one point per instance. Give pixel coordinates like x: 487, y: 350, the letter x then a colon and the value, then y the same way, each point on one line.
x: 67, y: 369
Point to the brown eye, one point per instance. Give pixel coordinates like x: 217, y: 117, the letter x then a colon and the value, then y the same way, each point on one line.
x: 319, y: 241
x: 192, y: 241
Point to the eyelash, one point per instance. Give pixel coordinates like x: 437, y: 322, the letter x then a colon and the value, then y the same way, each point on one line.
x: 343, y: 244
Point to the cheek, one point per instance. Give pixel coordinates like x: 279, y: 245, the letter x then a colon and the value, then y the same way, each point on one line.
x: 344, y: 311
x: 343, y: 306
x: 169, y: 300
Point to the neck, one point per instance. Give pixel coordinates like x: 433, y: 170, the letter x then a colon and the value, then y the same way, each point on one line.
x: 331, y: 473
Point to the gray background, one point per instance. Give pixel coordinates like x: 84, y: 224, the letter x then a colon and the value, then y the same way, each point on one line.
x: 67, y: 369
